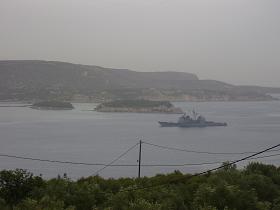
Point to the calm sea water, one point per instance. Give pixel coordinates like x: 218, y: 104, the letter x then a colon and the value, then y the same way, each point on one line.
x: 81, y: 135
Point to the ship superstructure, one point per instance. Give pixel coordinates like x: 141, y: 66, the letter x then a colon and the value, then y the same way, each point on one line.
x: 192, y: 120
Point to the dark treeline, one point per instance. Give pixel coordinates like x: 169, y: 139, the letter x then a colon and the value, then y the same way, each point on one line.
x: 140, y: 103
x: 256, y: 187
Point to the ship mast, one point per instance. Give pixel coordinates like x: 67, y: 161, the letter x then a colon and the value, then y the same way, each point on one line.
x: 194, y: 114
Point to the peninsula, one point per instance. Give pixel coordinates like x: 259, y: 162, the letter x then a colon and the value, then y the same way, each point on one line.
x: 139, y: 106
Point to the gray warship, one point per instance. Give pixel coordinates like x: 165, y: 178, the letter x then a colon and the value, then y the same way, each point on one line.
x: 193, y: 120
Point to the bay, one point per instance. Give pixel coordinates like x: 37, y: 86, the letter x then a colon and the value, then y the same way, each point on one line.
x: 83, y: 135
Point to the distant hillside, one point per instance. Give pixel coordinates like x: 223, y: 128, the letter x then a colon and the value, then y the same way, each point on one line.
x: 37, y: 80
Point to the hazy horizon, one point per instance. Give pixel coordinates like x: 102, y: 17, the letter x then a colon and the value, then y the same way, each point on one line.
x: 234, y: 41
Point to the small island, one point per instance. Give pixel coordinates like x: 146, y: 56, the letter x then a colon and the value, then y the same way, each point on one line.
x: 139, y: 106
x: 52, y: 105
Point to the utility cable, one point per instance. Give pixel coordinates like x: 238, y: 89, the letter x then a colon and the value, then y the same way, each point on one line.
x: 205, y: 163
x: 204, y: 172
x: 200, y: 152
x: 50, y: 161
x: 250, y: 157
x: 124, y: 165
x: 113, y: 161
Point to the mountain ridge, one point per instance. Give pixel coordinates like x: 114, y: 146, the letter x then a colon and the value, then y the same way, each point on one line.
x: 38, y: 79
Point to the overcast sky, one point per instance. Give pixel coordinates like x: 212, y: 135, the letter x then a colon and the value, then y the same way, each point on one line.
x: 236, y: 41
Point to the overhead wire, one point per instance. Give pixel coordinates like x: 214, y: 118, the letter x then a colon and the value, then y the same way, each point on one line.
x: 203, y: 172
x: 200, y: 152
x: 225, y: 163
x: 124, y: 165
x: 114, y: 160
x: 50, y: 161
x: 207, y: 163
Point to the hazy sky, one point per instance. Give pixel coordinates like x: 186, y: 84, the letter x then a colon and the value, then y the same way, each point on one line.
x: 235, y: 41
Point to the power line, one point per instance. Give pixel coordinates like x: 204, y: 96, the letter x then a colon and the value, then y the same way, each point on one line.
x: 205, y: 163
x: 200, y: 152
x: 126, y: 165
x: 204, y: 172
x: 250, y: 157
x: 113, y: 161
x: 51, y: 161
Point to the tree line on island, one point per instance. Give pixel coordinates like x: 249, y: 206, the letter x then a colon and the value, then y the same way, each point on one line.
x: 256, y: 187
x: 140, y: 106
x: 52, y: 105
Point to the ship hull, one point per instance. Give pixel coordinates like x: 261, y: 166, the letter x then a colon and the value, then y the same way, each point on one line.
x: 191, y: 125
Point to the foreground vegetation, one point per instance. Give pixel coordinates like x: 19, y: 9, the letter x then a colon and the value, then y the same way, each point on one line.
x: 256, y: 187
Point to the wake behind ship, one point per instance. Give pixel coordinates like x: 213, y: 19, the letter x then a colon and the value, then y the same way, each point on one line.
x: 188, y: 121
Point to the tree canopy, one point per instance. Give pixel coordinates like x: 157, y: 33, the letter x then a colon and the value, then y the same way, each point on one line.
x: 256, y: 187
